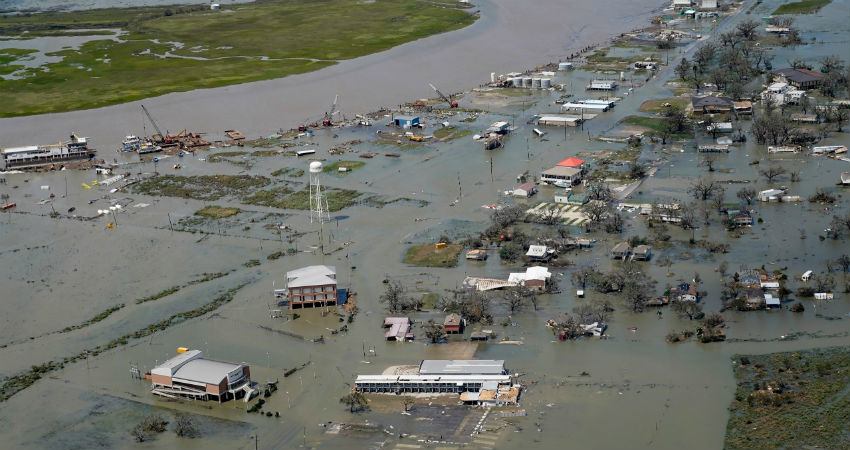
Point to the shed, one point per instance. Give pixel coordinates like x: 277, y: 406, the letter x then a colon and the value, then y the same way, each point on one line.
x: 771, y: 301
x: 540, y: 253
x: 477, y: 254
x: 479, y: 336
x: 602, y: 85
x: 453, y: 324
x: 621, y: 251
x: 642, y: 252
x: 499, y: 127
x: 525, y: 190
x: 743, y: 107
x: 406, y: 121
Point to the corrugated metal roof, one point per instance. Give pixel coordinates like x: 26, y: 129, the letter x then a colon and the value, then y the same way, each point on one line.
x: 311, y: 270
x: 205, y: 371
x: 462, y: 367
x: 311, y: 280
x: 170, y: 366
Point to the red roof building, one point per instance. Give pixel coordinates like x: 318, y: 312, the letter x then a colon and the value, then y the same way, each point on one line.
x: 571, y: 162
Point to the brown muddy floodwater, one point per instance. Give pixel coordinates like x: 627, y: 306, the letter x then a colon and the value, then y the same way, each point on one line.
x: 632, y: 390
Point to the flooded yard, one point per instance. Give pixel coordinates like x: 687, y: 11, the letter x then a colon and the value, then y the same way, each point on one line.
x: 64, y: 267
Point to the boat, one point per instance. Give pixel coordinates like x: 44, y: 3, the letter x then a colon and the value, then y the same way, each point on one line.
x: 148, y: 147
x: 783, y: 149
x: 8, y: 206
x: 845, y: 178
x: 561, y: 184
x: 130, y: 143
x: 829, y: 149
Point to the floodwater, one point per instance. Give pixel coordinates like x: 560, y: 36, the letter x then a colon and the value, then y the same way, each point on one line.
x: 637, y: 391
x: 509, y: 36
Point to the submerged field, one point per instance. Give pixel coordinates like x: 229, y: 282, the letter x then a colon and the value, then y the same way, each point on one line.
x: 170, y: 49
x: 791, y: 400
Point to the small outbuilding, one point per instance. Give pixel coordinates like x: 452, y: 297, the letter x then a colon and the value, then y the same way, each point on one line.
x: 453, y: 324
x: 621, y: 251
x: 525, y: 190
x: 406, y: 121
x: 642, y: 253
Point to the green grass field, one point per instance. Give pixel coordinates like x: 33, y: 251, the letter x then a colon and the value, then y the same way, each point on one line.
x: 238, y: 44
x: 802, y: 7
x: 427, y: 255
x: 651, y: 123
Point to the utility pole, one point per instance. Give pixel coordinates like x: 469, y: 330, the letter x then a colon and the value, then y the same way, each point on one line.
x: 491, y: 169
x: 170, y: 225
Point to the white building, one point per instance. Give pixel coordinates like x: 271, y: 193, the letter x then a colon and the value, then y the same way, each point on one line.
x: 567, y: 175
x: 189, y: 375
x: 440, y: 376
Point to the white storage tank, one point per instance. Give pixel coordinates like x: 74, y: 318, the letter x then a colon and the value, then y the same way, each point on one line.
x: 526, y: 82
x: 535, y: 83
x: 492, y: 77
x: 516, y: 82
x: 545, y: 83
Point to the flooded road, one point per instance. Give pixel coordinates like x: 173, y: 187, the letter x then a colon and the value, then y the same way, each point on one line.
x: 509, y: 36
x: 632, y: 390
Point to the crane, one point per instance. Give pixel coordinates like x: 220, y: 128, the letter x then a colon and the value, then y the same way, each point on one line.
x: 452, y: 104
x: 162, y: 137
x: 329, y: 115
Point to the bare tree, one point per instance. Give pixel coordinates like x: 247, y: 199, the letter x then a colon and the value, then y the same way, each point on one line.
x: 407, y: 402
x: 434, y: 331
x: 691, y: 310
x: 704, y: 188
x: 746, y: 195
x: 705, y: 54
x: 596, y: 212
x: 748, y: 30
x: 594, y: 311
x: 708, y: 161
x: 582, y: 275
x: 683, y: 69
x: 396, y: 300
x: 772, y: 172
x: 722, y: 268
x: 185, y: 426
x: 516, y: 297
x: 355, y: 401
x: 844, y: 262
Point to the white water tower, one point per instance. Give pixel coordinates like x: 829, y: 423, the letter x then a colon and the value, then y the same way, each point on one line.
x: 318, y: 202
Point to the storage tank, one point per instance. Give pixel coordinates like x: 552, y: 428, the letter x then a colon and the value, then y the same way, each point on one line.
x: 526, y: 82
x: 565, y: 66
x: 545, y: 83
x: 492, y: 77
x: 535, y: 83
x: 316, y: 167
x: 516, y: 82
